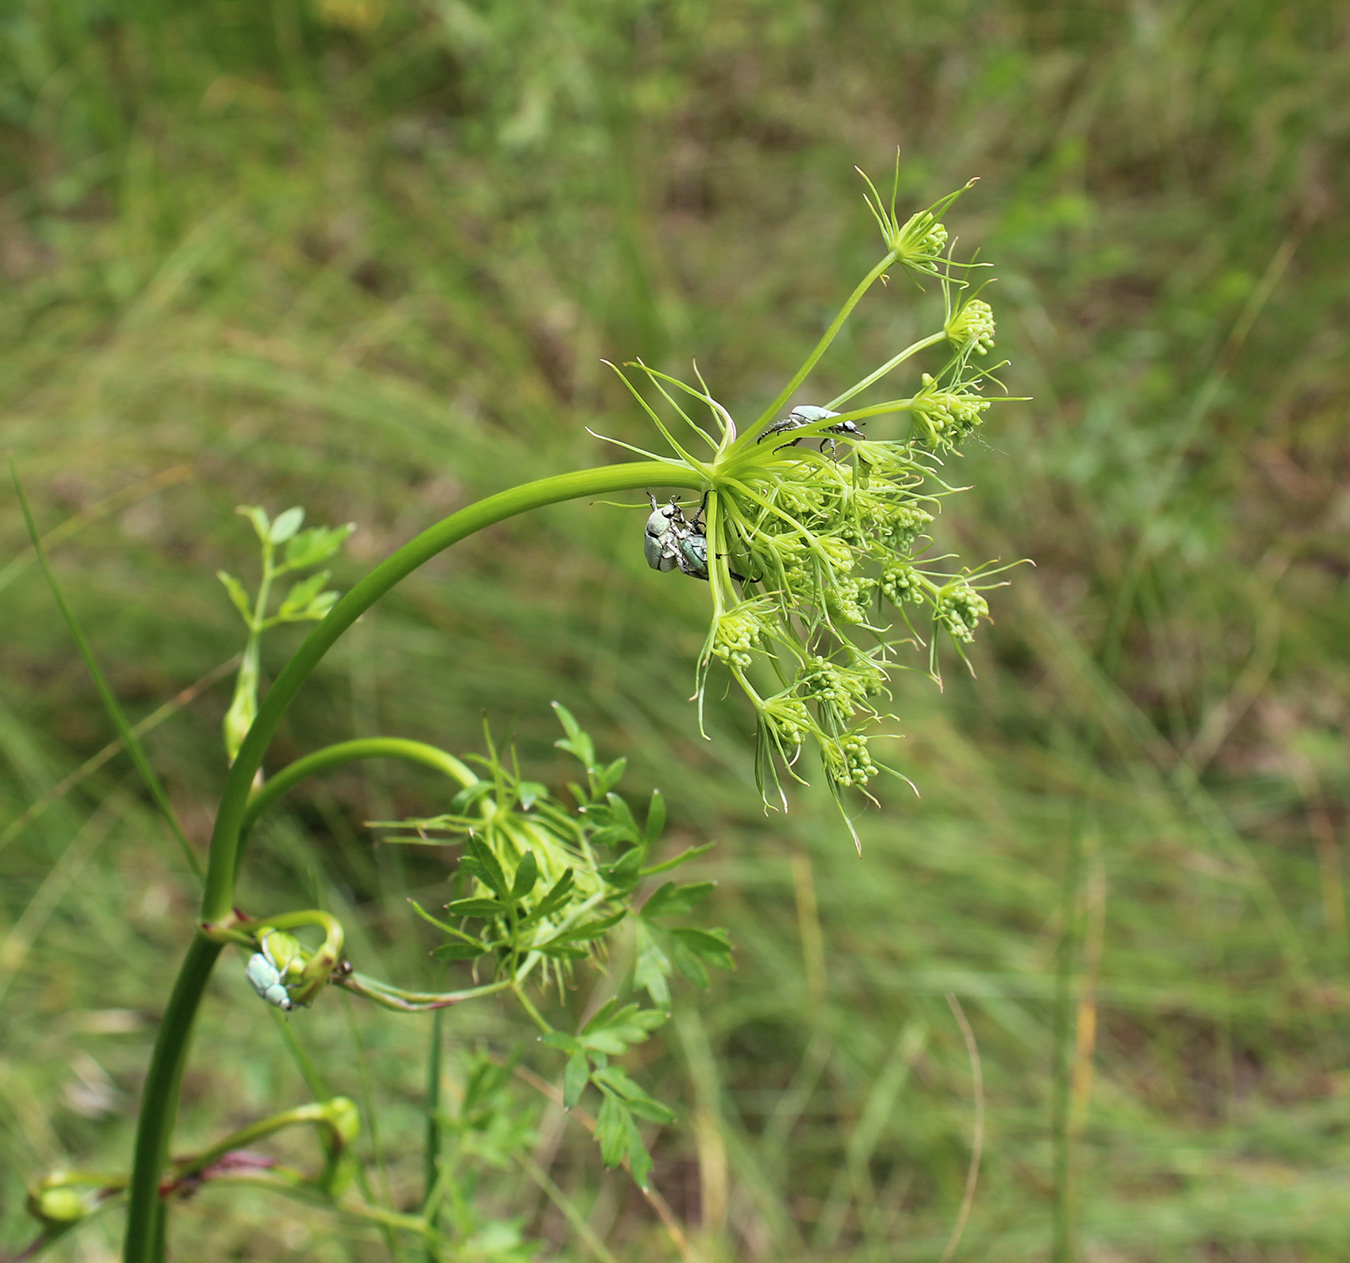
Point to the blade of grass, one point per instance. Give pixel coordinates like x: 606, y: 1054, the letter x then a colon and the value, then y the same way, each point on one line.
x: 110, y: 703
x: 96, y: 761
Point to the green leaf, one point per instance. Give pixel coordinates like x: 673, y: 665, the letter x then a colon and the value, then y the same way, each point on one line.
x: 611, y: 776
x: 577, y: 743
x: 586, y: 931
x: 286, y: 525
x: 555, y: 898
x: 656, y: 817
x: 481, y: 863
x: 262, y: 526
x: 297, y: 600
x: 673, y: 901
x: 459, y: 951
x: 624, y: 873
x: 475, y: 908
x: 321, y: 604
x: 611, y: 1130
x: 652, y: 966
x: 317, y: 544
x: 639, y: 1160
x: 634, y: 1096
x: 574, y: 1079
x: 530, y: 793
x: 470, y: 794
x: 613, y: 1031
x: 527, y: 874
x: 561, y: 1040
x: 691, y: 946
x: 682, y: 858
x: 621, y: 813
x: 238, y: 595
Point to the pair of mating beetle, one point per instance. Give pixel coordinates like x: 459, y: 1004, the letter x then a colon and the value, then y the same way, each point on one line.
x: 676, y: 542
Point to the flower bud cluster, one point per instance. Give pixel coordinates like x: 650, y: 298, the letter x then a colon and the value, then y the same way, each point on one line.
x: 817, y: 523
x: 849, y: 600
x: 959, y: 608
x: 972, y: 325
x: 849, y: 761
x: 736, y: 633
x: 947, y: 417
x: 901, y: 582
x: 845, y: 689
x: 789, y: 719
x: 921, y: 241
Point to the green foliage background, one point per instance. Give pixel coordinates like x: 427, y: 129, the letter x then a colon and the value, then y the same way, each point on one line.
x: 367, y: 256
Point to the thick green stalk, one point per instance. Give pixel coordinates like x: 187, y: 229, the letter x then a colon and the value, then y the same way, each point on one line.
x: 159, y: 1103
x: 160, y: 1096
x: 432, y: 1157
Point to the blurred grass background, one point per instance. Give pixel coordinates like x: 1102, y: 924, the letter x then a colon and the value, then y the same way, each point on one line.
x: 366, y: 256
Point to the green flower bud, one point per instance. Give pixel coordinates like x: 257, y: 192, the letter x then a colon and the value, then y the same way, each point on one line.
x: 837, y: 553
x: 57, y: 1205
x: 848, y: 600
x: 947, y: 416
x: 904, y: 524
x: 789, y: 719
x: 959, y: 608
x: 736, y: 634
x: 921, y: 241
x: 972, y: 325
x: 849, y: 762
x: 844, y: 688
x: 900, y: 583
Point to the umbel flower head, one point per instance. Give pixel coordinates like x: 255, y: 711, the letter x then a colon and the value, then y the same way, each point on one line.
x: 812, y: 533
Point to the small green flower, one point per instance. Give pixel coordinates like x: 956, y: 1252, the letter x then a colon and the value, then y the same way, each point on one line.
x: 901, y: 582
x: 972, y: 325
x: 959, y: 608
x: 946, y: 418
x: 790, y: 720
x: 736, y: 633
x: 849, y: 761
x: 848, y: 600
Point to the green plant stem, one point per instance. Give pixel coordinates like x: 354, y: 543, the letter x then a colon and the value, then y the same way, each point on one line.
x: 317, y: 1114
x: 821, y: 347
x: 335, y: 756
x: 433, y: 1141
x: 159, y: 1103
x: 894, y: 362
x: 160, y: 1097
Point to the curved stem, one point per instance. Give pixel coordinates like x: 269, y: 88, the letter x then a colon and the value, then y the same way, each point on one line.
x: 159, y: 1100
x: 225, y: 838
x: 335, y: 756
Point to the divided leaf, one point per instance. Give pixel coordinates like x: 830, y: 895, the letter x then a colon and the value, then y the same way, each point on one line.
x: 671, y: 900
x: 613, y: 1031
x: 317, y: 544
